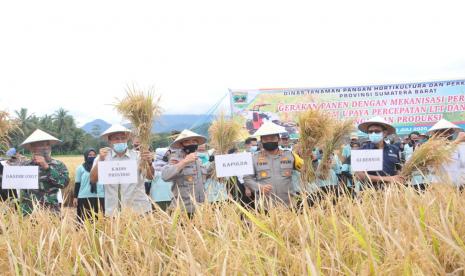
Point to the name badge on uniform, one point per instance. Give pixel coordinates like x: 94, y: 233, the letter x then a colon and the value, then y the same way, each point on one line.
x: 263, y: 174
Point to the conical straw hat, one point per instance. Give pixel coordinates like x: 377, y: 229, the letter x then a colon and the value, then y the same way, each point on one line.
x: 443, y: 124
x: 269, y: 128
x: 39, y: 136
x: 187, y: 134
x: 114, y: 129
x: 377, y: 121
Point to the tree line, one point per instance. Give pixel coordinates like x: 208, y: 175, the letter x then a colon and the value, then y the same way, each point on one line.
x: 75, y: 140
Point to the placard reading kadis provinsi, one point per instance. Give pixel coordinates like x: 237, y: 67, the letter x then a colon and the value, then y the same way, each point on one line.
x: 366, y: 160
x: 233, y: 164
x: 20, y: 177
x: 117, y: 172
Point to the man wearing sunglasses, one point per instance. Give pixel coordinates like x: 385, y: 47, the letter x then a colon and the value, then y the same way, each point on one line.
x: 378, y: 129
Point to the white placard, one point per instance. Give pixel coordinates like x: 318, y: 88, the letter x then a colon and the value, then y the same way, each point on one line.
x: 20, y: 177
x: 366, y: 160
x: 234, y: 164
x: 117, y: 172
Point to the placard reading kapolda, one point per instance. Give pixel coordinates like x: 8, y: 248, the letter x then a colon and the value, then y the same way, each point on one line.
x: 233, y: 164
x: 20, y: 177
x: 366, y: 160
x: 117, y: 172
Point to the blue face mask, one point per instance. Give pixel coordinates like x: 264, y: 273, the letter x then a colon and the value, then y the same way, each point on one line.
x: 120, y: 147
x: 253, y: 148
x: 375, y: 137
x: 203, y: 157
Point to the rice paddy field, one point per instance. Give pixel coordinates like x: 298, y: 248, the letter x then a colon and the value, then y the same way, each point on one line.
x: 397, y: 232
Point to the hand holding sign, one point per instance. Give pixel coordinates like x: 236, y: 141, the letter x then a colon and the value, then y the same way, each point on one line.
x: 103, y: 153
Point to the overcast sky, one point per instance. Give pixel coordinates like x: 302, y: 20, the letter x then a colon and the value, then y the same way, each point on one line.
x: 81, y: 55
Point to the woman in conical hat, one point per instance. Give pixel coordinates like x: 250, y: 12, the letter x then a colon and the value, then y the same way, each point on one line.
x: 53, y: 174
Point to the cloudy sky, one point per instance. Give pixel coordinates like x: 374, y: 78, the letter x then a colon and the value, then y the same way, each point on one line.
x: 81, y: 55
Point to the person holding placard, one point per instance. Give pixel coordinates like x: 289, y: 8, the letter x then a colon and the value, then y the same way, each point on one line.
x: 123, y: 195
x: 186, y: 172
x: 14, y: 159
x: 53, y: 174
x: 378, y: 129
x: 215, y: 190
x: 272, y: 180
x: 88, y: 197
x: 241, y: 193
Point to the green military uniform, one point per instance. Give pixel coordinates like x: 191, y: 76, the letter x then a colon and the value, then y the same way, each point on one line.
x: 50, y: 181
x: 274, y: 169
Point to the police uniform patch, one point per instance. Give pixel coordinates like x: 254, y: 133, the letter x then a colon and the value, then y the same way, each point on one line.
x: 263, y: 174
x: 190, y: 178
x: 287, y: 173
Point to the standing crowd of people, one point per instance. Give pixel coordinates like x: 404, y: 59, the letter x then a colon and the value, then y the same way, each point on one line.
x: 181, y: 174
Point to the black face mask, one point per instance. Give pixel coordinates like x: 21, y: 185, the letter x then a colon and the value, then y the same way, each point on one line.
x: 190, y: 148
x: 90, y: 160
x: 270, y: 146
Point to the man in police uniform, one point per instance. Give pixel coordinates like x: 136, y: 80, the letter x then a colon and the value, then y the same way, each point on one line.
x: 186, y: 172
x: 378, y: 129
x: 272, y: 178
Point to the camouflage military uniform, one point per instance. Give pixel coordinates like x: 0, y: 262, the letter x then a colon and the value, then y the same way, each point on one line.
x: 50, y: 181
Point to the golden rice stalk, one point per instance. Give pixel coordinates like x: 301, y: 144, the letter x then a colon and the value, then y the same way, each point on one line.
x: 224, y: 133
x: 339, y: 131
x: 314, y: 126
x: 8, y: 126
x: 140, y: 108
x: 429, y: 156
